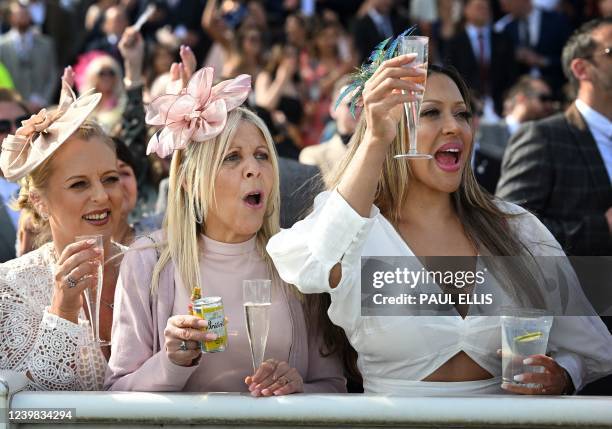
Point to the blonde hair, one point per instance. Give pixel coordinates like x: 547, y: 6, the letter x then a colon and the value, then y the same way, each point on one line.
x: 98, y: 64
x: 35, y: 183
x: 193, y: 174
x: 485, y: 224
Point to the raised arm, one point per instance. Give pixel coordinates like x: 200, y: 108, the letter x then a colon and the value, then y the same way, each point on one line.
x: 133, y: 127
x: 214, y: 26
x: 322, y: 253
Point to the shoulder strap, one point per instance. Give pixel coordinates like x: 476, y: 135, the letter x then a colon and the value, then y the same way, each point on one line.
x: 155, y: 244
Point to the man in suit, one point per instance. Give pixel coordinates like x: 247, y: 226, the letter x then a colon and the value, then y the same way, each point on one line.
x: 561, y: 167
x: 299, y: 185
x: 528, y: 100
x: 375, y: 26
x: 56, y: 20
x: 30, y: 59
x: 484, y: 58
x: 12, y: 112
x: 538, y: 37
x: 114, y: 24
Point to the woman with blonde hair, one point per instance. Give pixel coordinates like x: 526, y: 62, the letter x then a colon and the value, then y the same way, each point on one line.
x: 223, y: 206
x: 103, y: 75
x: 44, y: 328
x: 379, y: 206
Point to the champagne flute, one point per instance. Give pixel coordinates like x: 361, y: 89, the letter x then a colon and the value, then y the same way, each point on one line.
x: 417, y: 45
x: 93, y: 295
x: 257, y: 302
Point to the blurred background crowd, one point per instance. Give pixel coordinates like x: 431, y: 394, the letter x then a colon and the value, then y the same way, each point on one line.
x: 300, y: 54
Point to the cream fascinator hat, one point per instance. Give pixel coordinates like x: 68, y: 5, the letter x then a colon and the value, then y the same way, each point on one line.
x: 41, y: 135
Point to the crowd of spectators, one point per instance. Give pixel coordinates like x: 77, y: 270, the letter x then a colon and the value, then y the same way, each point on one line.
x: 532, y: 86
x: 299, y: 55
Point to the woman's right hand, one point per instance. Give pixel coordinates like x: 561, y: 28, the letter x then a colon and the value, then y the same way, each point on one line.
x: 77, y: 270
x: 183, y: 335
x: 383, y: 98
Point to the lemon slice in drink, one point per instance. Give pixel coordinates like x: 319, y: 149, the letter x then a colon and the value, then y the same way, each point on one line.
x: 531, y: 336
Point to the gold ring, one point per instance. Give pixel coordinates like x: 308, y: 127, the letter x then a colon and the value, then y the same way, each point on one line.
x: 282, y: 380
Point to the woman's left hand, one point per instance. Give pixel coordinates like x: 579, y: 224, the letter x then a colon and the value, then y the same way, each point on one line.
x: 274, y: 378
x: 553, y: 381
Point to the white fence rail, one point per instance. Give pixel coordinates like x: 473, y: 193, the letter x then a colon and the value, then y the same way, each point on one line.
x: 114, y: 409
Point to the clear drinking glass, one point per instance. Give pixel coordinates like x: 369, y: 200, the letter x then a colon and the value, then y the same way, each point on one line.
x: 93, y: 295
x: 257, y: 301
x: 524, y: 333
x: 418, y: 45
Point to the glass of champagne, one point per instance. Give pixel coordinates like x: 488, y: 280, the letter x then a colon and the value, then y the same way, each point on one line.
x: 414, y: 45
x: 257, y: 301
x: 93, y: 295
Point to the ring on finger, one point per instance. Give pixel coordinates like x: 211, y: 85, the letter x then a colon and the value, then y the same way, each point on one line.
x: 282, y: 380
x: 71, y: 283
x: 183, y: 346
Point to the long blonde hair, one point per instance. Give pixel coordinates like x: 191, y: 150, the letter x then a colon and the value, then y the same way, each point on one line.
x: 193, y: 174
x: 485, y: 224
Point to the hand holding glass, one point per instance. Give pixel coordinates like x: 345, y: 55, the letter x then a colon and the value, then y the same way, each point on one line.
x: 93, y: 295
x: 414, y: 45
x: 257, y: 302
x: 524, y: 333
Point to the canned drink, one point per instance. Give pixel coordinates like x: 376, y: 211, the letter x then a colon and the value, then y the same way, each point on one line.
x: 211, y: 309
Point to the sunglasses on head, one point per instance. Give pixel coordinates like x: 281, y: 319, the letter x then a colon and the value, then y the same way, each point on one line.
x: 6, y: 125
x: 106, y: 72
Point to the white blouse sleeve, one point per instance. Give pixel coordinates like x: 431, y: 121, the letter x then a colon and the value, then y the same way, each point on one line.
x: 305, y: 254
x: 52, y: 352
x: 578, y: 341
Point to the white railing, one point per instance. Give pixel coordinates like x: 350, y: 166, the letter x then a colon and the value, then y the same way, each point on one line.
x: 112, y: 409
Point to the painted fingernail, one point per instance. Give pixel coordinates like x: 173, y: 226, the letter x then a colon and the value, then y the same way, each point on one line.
x: 519, y: 378
x: 211, y: 337
x: 265, y: 391
x: 91, y: 241
x: 505, y: 385
x: 419, y: 87
x: 527, y: 361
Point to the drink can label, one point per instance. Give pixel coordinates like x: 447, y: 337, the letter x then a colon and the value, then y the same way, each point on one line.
x: 211, y: 309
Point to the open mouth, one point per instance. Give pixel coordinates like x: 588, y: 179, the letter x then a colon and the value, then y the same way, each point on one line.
x: 448, y: 157
x: 99, y: 217
x: 254, y: 199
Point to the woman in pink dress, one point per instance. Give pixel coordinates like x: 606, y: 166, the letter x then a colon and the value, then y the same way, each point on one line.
x: 223, y: 206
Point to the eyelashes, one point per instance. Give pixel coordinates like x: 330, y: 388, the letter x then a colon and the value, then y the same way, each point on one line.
x: 234, y: 157
x: 432, y: 113
x: 81, y: 184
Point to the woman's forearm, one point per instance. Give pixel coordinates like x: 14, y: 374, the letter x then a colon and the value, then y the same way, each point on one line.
x: 360, y: 180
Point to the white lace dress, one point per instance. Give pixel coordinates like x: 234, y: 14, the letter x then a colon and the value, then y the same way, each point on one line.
x: 54, y: 353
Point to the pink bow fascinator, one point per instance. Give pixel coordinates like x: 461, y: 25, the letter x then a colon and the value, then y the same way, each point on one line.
x: 41, y: 135
x: 196, y: 113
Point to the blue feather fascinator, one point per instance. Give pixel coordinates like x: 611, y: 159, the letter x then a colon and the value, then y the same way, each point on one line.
x: 385, y: 50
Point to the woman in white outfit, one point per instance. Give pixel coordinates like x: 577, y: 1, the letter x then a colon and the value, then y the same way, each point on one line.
x: 381, y: 206
x: 67, y: 168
